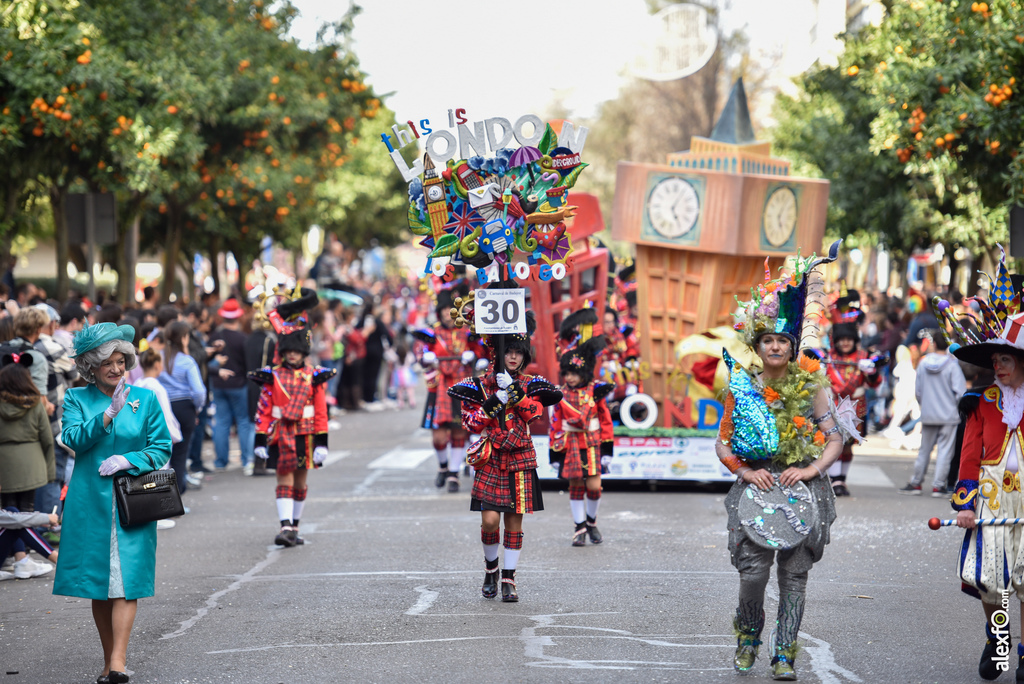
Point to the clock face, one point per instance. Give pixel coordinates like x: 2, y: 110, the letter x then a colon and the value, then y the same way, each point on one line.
x: 673, y: 207
x: 780, y: 216
x: 434, y: 193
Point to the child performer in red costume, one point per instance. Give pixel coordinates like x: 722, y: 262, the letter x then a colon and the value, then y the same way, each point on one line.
x: 501, y: 406
x: 449, y: 355
x: 291, y: 418
x: 581, y: 435
x: 850, y: 372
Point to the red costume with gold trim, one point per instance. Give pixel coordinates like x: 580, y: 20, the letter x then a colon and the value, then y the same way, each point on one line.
x: 581, y: 430
x: 291, y: 417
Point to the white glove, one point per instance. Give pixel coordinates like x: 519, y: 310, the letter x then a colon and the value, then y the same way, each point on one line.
x: 261, y: 453
x: 114, y: 464
x: 429, y: 358
x: 866, y: 366
x: 504, y: 380
x: 631, y: 390
x: 319, y: 455
x: 502, y: 396
x: 482, y: 364
x: 119, y: 399
x: 468, y: 357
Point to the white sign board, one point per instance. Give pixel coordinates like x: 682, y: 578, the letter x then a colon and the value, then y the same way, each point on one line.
x: 497, y: 312
x: 651, y: 458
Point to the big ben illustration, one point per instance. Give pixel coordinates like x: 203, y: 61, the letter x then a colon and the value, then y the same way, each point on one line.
x: 433, y: 190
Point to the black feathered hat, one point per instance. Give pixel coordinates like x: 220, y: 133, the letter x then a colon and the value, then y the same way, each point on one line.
x: 582, y: 358
x: 291, y: 324
x: 571, y: 323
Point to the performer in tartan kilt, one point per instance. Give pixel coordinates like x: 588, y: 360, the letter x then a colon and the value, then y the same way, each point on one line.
x: 501, y: 406
x: 449, y: 354
x: 291, y: 415
x: 582, y: 436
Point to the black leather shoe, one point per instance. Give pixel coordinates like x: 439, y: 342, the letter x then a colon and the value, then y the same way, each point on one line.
x: 442, y: 477
x: 508, y: 586
x: 579, y: 536
x: 490, y: 587
x: 103, y: 679
x: 453, y: 483
x: 283, y: 538
x: 594, y: 533
x: 987, y: 666
x: 116, y: 677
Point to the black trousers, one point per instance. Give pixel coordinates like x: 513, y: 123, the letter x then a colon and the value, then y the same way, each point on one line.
x: 185, y: 413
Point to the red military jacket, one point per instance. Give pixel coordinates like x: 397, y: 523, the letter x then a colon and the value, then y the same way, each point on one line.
x: 847, y: 378
x: 514, y: 438
x: 296, y: 395
x: 448, y: 344
x: 985, y: 441
x: 583, y: 410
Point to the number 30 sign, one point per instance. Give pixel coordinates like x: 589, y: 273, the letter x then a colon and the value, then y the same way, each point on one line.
x: 499, y: 311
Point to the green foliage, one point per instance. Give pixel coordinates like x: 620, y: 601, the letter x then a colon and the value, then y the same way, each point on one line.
x: 920, y: 126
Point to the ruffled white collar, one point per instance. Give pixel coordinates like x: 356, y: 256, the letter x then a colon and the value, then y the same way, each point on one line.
x: 1013, y: 404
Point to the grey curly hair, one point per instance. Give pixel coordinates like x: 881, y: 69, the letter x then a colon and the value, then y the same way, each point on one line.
x: 88, y: 362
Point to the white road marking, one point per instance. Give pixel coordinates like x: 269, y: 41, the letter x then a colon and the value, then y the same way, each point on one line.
x: 401, y: 459
x: 425, y: 601
x: 868, y: 476
x: 334, y: 457
x: 364, y: 486
x: 823, y: 664
x: 211, y: 601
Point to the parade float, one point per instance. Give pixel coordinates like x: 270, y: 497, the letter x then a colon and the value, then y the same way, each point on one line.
x: 706, y: 225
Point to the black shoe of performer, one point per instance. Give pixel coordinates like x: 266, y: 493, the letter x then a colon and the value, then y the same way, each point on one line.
x: 508, y: 586
x: 490, y: 587
x: 453, y: 483
x: 595, y: 534
x: 283, y: 538
x: 442, y: 476
x: 839, y: 489
x: 579, y: 537
x: 987, y: 666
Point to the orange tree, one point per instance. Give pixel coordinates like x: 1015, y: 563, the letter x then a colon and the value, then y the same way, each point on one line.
x: 945, y: 75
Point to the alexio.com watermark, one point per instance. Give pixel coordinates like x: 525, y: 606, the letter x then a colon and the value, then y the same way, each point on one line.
x: 1000, y: 624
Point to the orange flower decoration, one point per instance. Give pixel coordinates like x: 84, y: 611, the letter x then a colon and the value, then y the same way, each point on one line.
x: 819, y: 438
x: 799, y: 421
x: 770, y: 395
x: 808, y: 364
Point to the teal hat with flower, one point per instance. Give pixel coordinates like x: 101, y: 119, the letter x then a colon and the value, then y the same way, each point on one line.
x: 92, y: 336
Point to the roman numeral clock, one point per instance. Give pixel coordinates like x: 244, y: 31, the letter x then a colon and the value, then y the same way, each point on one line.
x: 703, y: 224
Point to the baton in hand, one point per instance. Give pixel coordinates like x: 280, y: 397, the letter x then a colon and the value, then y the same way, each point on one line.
x: 935, y: 523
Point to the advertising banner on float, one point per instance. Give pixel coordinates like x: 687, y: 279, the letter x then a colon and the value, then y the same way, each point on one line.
x: 652, y: 458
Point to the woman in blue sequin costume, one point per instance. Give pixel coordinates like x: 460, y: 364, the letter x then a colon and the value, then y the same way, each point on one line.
x: 779, y: 423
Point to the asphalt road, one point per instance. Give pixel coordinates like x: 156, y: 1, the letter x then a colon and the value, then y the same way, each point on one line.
x: 387, y: 587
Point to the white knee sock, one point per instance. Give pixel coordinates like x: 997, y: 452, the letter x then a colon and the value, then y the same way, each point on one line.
x: 491, y: 552
x: 845, y: 465
x: 442, y: 455
x: 578, y: 512
x: 592, y: 505
x: 285, y: 509
x: 511, y: 558
x: 297, y: 509
x: 455, y: 460
x: 835, y: 469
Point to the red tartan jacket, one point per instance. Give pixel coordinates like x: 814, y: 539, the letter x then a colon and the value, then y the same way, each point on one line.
x: 583, y: 408
x: 448, y: 342
x: 848, y: 378
x: 514, y: 438
x: 293, y: 394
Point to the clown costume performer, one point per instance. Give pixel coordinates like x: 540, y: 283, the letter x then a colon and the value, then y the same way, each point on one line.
x: 500, y: 406
x: 780, y: 432
x: 990, y: 560
x: 291, y: 415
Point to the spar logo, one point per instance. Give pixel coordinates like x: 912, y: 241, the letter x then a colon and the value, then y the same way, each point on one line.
x: 999, y: 622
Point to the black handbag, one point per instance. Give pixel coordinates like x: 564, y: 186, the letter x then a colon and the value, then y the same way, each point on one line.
x: 149, y: 497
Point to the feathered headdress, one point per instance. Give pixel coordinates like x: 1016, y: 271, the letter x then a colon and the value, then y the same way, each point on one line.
x: 579, y: 325
x: 289, y: 318
x: 582, y: 358
x: 779, y: 306
x: 998, y: 328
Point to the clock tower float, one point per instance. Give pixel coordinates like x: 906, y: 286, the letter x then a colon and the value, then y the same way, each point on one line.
x: 703, y: 224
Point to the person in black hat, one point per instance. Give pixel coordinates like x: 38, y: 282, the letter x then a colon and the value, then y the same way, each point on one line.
x: 449, y: 355
x: 851, y: 371
x: 291, y: 419
x: 500, y: 406
x: 582, y: 435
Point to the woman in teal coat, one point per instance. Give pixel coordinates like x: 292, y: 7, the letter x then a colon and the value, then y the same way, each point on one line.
x: 99, y: 559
